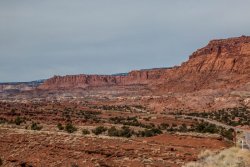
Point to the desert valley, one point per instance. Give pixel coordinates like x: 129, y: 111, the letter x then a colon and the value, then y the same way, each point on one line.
x: 153, y: 117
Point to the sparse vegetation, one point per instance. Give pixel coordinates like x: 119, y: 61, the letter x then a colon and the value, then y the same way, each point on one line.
x: 99, y: 130
x: 3, y: 120
x: 25, y: 164
x: 85, y: 132
x: 125, y: 131
x: 204, y: 127
x: 130, y: 121
x: 233, y: 157
x: 114, y: 108
x: 60, y: 126
x: 232, y: 117
x: 70, y: 128
x: 35, y: 126
x: 149, y: 132
x: 74, y: 165
x: 113, y: 131
x: 18, y: 120
x: 116, y: 125
x: 124, y: 108
x: 90, y: 115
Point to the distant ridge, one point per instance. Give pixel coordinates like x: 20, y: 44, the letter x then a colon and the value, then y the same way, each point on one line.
x: 223, y: 63
x: 28, y: 82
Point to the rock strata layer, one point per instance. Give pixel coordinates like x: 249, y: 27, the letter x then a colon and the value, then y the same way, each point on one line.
x: 223, y: 63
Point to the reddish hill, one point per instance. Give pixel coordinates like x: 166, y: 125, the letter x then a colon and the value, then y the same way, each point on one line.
x: 222, y: 63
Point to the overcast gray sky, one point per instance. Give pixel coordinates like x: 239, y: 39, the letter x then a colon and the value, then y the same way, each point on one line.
x: 42, y: 38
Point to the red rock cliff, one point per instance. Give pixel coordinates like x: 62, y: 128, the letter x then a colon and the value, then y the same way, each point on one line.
x: 84, y: 81
x: 222, y: 63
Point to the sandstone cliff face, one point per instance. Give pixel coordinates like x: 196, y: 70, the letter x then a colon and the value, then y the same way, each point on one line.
x: 78, y: 81
x: 221, y: 64
x: 84, y: 81
x: 230, y: 55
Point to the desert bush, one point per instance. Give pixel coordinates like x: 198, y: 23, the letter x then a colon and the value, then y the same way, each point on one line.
x: 85, y: 132
x: 70, y: 128
x: 74, y: 165
x: 3, y: 120
x: 164, y: 125
x: 25, y: 164
x: 35, y: 126
x: 99, y: 130
x: 19, y: 120
x: 227, y: 116
x: 126, y: 132
x: 149, y: 132
x: 204, y: 127
x: 1, y: 162
x: 113, y: 131
x: 227, y: 133
x: 90, y: 115
x: 60, y: 126
x: 183, y: 128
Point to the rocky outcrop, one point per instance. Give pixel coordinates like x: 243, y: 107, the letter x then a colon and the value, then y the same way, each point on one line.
x: 226, y: 55
x: 222, y: 63
x: 84, y: 81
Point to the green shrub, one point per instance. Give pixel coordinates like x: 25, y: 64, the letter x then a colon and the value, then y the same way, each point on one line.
x: 85, y: 132
x: 156, y: 131
x: 205, y: 127
x: 70, y: 128
x: 113, y: 131
x: 60, y: 126
x: 183, y: 128
x: 126, y: 132
x: 228, y: 134
x: 164, y: 125
x: 3, y: 120
x: 18, y: 120
x: 149, y: 132
x: 35, y: 126
x: 99, y: 130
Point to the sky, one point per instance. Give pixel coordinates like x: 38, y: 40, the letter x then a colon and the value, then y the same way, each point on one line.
x: 40, y: 39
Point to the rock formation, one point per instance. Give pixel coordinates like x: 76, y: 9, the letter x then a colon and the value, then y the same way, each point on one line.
x: 222, y: 63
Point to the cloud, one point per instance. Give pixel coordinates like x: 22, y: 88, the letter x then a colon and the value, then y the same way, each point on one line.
x: 42, y: 38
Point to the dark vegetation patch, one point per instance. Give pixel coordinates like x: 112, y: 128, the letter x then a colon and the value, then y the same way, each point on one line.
x: 233, y: 117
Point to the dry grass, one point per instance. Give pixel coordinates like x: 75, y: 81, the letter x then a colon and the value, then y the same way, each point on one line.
x: 232, y: 157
